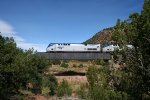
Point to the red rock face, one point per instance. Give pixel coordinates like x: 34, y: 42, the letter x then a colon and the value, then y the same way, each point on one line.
x: 101, y: 37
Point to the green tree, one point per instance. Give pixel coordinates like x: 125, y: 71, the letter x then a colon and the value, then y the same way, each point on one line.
x: 119, y: 35
x: 18, y: 68
x: 136, y: 78
x: 100, y: 87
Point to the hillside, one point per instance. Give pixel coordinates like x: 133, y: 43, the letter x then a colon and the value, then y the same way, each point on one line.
x: 102, y: 36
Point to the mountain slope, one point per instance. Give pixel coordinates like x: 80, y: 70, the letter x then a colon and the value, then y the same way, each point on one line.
x: 101, y: 37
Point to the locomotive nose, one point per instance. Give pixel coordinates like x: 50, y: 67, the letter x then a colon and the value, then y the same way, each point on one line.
x: 47, y: 49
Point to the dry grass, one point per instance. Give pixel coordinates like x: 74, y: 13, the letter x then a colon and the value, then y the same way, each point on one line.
x: 73, y: 80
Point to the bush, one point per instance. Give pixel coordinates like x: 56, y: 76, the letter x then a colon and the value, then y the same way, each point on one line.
x: 74, y: 65
x: 64, y: 89
x: 49, y: 85
x: 80, y: 66
x: 99, y: 87
x: 100, y: 62
x: 50, y: 63
x: 64, y: 65
x: 65, y: 61
x: 19, y: 67
x: 83, y: 91
x: 56, y: 62
x: 53, y: 84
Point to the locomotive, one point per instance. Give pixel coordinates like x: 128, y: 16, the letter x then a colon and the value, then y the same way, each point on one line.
x: 80, y: 47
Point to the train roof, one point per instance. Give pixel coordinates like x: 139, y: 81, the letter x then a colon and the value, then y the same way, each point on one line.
x: 73, y: 43
x: 66, y: 43
x: 69, y: 44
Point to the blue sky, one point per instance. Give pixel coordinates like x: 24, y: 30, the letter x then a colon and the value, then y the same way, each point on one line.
x: 36, y: 23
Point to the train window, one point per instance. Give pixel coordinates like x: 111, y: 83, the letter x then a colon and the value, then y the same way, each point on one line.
x: 94, y: 48
x: 50, y: 45
x: 91, y: 48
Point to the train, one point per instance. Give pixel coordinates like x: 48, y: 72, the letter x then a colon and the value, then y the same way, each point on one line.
x: 80, y: 47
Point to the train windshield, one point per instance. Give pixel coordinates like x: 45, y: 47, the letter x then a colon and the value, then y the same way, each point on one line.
x: 50, y: 44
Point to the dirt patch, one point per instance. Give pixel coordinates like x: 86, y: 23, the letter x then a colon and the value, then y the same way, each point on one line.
x: 36, y: 97
x: 72, y: 79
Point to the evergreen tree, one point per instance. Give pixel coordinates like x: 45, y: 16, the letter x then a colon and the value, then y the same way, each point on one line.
x: 18, y: 68
x: 136, y: 79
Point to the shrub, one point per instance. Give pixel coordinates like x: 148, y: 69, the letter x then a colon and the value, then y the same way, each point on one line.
x: 80, y: 66
x: 19, y: 67
x: 64, y: 65
x: 65, y: 61
x: 99, y: 87
x: 100, y: 62
x: 74, y: 65
x: 64, y: 89
x: 53, y: 84
x: 56, y: 62
x: 45, y: 90
x: 50, y: 63
x: 83, y: 91
x: 49, y: 85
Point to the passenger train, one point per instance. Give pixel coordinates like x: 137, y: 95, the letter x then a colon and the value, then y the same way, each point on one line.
x: 79, y: 47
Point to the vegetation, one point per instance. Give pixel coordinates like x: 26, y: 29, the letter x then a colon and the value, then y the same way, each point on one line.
x: 19, y: 68
x: 83, y: 91
x: 49, y: 85
x: 74, y: 65
x: 80, y: 65
x: 101, y: 85
x: 136, y: 31
x: 131, y: 82
x: 64, y: 65
x: 100, y: 62
x: 24, y: 71
x: 56, y: 62
x: 64, y: 89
